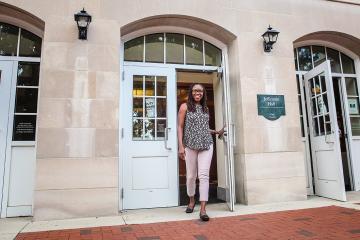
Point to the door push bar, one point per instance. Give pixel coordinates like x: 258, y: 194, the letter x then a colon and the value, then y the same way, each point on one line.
x: 166, y: 138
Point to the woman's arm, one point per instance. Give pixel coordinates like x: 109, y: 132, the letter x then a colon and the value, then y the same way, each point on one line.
x: 213, y: 131
x: 221, y: 132
x: 180, y: 129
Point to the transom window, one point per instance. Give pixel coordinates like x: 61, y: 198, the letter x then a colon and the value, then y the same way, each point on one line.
x: 308, y: 57
x: 172, y: 48
x: 15, y: 41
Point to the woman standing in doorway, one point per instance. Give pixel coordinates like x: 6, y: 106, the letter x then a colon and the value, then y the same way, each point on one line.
x: 196, y: 145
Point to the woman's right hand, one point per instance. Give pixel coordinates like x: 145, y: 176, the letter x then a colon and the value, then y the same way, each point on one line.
x: 182, y: 153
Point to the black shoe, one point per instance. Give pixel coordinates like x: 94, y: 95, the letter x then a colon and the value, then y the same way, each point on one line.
x: 204, y: 217
x: 189, y: 209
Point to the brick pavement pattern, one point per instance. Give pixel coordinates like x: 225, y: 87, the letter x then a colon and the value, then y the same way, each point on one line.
x: 316, y: 223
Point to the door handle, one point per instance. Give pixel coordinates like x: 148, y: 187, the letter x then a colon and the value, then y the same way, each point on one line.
x: 166, y: 138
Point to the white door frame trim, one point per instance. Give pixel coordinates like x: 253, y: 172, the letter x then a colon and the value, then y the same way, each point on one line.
x: 3, y: 186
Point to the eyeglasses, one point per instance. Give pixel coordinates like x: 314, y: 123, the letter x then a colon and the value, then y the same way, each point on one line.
x: 197, y: 91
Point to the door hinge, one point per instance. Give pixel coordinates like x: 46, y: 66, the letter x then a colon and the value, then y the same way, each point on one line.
x: 122, y: 193
x: 123, y: 75
x: 122, y: 132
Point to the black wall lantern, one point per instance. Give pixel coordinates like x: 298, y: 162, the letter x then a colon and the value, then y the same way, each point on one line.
x: 270, y: 37
x: 83, y: 20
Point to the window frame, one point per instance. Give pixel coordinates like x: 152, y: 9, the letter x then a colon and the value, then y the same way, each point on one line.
x: 183, y: 48
x: 301, y: 73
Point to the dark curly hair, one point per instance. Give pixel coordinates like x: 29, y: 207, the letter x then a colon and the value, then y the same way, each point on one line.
x: 191, y: 103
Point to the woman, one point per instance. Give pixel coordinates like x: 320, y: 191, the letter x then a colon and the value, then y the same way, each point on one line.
x: 196, y: 145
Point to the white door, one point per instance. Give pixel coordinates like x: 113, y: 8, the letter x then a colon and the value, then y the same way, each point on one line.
x: 324, y: 133
x: 5, y: 86
x: 229, y: 143
x: 149, y: 144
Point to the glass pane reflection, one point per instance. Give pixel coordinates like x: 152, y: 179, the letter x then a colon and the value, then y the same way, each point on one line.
x: 316, y: 126
x: 174, y: 48
x: 305, y: 62
x: 317, y: 85
x: 161, y: 107
x: 312, y: 88
x: 30, y: 44
x: 347, y: 64
x: 28, y: 74
x: 351, y: 86
x: 9, y: 35
x: 313, y: 106
x: 134, y: 50
x: 322, y: 104
x: 160, y: 129
x: 150, y: 107
x: 138, y: 86
x: 149, y: 133
x: 160, y: 86
x: 212, y: 55
x: 318, y: 55
x: 26, y: 100
x: 333, y: 56
x: 323, y: 83
x: 137, y: 129
x: 149, y: 85
x: 154, y: 48
x: 321, y: 126
x: 137, y: 107
x: 194, y: 50
x: 355, y: 126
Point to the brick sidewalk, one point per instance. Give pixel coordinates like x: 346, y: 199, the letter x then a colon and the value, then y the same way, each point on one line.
x: 316, y: 223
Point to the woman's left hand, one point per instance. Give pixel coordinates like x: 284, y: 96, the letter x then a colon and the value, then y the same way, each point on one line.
x: 213, y: 131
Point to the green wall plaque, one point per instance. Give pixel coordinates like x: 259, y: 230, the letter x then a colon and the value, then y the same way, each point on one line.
x: 272, y: 107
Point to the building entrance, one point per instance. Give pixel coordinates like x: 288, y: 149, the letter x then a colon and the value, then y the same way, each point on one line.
x: 184, y: 81
x: 148, y: 144
x: 344, y: 128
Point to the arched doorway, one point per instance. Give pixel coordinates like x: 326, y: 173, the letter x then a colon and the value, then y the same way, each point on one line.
x: 165, y: 58
x: 329, y: 114
x: 20, y: 52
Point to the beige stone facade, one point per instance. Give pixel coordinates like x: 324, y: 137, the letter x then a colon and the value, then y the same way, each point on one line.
x: 77, y: 156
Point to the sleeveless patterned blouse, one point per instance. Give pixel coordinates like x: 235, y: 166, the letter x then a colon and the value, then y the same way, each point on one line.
x: 196, y: 130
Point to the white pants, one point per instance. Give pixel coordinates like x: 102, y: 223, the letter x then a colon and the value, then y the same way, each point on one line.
x: 198, y: 163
